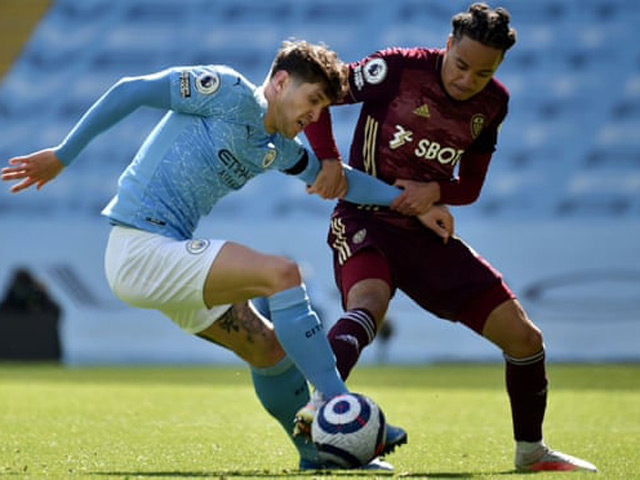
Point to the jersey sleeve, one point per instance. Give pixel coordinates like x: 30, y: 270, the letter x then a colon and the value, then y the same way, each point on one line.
x: 204, y: 90
x: 376, y: 77
x: 118, y: 102
x: 487, y: 140
x: 465, y: 189
x: 321, y: 138
x: 474, y: 164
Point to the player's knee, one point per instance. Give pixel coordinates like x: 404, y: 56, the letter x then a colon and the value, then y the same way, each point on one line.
x: 283, y: 274
x: 535, y: 340
x: 527, y: 342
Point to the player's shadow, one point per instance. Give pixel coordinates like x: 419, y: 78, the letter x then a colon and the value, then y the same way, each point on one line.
x: 244, y: 474
x: 454, y: 475
x: 299, y: 474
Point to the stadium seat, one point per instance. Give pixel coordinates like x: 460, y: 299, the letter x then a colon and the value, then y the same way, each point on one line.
x: 575, y: 98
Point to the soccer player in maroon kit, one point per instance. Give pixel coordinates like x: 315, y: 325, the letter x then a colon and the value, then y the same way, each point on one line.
x: 424, y: 112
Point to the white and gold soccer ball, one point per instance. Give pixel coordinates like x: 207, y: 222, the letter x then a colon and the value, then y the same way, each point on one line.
x: 349, y: 430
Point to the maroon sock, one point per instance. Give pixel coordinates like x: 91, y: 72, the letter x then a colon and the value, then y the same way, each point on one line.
x: 527, y: 388
x: 352, y: 332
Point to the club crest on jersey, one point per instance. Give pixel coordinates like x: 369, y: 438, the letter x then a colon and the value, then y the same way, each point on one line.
x: 359, y: 236
x: 477, y: 124
x: 197, y: 246
x: 269, y: 158
x: 375, y: 70
x: 207, y: 83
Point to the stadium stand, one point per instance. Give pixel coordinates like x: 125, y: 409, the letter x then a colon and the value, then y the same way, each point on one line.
x: 18, y: 18
x: 574, y: 75
x: 562, y: 194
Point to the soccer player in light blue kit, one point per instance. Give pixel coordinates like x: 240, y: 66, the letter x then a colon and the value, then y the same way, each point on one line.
x: 219, y: 132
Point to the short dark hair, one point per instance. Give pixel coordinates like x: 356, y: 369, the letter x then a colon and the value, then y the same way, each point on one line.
x: 484, y: 25
x: 312, y: 63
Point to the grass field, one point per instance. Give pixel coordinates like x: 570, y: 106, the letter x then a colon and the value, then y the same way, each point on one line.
x: 204, y: 422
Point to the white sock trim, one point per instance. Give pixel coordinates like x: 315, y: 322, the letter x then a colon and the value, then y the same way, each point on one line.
x: 525, y: 360
x: 364, y: 320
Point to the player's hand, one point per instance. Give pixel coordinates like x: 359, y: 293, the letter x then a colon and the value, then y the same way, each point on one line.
x: 440, y: 220
x: 35, y: 169
x: 416, y: 198
x: 331, y: 181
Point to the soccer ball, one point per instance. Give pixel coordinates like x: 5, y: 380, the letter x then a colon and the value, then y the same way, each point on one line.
x: 349, y: 430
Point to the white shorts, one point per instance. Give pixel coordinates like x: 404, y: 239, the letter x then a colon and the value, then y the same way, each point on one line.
x: 152, y: 271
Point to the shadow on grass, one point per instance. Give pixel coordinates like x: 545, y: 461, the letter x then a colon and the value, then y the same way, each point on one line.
x: 454, y: 475
x: 303, y: 474
x: 245, y: 474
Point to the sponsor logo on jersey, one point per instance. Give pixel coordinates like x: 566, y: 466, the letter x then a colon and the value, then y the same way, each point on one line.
x: 359, y: 236
x: 207, y: 83
x: 197, y: 246
x: 425, y: 148
x: 422, y: 111
x: 431, y: 150
x: 401, y: 137
x: 270, y: 156
x: 231, y: 172
x: 477, y: 124
x: 375, y: 71
x: 185, y: 86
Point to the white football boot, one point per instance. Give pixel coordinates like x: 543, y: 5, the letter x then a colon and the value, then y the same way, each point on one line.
x: 543, y: 459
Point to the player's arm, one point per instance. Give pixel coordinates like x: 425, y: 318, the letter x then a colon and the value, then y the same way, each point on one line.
x: 461, y: 190
x: 122, y: 99
x: 367, y: 190
x: 119, y: 101
x: 465, y: 188
x: 373, y: 78
x: 361, y: 188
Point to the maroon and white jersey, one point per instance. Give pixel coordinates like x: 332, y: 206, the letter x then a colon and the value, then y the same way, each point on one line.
x: 410, y: 128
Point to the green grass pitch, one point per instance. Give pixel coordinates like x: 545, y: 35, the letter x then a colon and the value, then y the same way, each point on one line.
x: 204, y: 422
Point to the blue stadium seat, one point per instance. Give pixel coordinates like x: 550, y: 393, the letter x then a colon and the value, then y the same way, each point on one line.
x: 574, y: 77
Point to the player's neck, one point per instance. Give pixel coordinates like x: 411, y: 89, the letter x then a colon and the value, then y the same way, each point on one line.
x: 269, y: 115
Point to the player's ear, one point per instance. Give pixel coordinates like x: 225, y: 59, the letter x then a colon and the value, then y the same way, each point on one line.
x: 280, y: 80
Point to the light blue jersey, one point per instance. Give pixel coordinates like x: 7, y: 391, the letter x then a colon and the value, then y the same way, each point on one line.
x: 211, y: 143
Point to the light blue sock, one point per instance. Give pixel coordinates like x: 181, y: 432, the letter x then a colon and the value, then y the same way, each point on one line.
x: 302, y: 336
x: 283, y: 390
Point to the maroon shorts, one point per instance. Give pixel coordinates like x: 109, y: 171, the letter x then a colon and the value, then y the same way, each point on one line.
x: 450, y: 281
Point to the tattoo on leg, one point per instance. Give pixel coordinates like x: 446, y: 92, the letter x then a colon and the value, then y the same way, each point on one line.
x: 240, y: 318
x: 245, y: 332
x: 228, y: 321
x: 248, y: 320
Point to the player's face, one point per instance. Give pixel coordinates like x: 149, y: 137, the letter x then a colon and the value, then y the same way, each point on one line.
x: 298, y: 104
x: 468, y: 66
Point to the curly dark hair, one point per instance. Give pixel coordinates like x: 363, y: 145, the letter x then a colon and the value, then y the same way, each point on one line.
x: 312, y: 63
x: 484, y: 25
